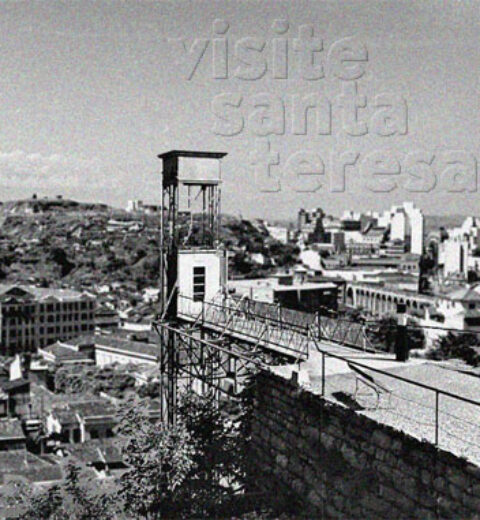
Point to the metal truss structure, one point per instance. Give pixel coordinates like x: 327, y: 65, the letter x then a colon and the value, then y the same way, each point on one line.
x: 211, y: 363
x: 213, y: 351
x: 212, y: 346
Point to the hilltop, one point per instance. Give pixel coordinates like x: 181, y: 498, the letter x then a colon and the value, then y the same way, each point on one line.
x: 59, y: 241
x: 35, y: 205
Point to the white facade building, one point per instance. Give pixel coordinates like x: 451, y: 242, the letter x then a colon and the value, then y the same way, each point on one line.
x: 407, y: 224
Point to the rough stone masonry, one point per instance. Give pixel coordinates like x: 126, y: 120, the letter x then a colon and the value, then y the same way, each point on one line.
x: 335, y: 463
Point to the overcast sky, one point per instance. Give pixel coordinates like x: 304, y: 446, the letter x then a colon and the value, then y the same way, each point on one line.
x: 91, y: 92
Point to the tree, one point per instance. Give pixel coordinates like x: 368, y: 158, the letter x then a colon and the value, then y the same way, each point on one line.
x: 189, y: 470
x: 179, y: 471
x: 383, y: 334
x: 461, y: 346
x: 149, y: 389
x: 59, y: 256
x: 215, y: 441
x: 77, y: 498
x: 160, y: 459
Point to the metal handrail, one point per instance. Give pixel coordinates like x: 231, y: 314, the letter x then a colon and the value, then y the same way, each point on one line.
x: 437, y: 391
x: 276, y: 324
x: 305, y: 331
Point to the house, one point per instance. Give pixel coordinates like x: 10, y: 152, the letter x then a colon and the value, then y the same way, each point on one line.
x: 3, y: 403
x: 60, y: 354
x: 306, y: 296
x: 106, y: 317
x: 18, y: 396
x: 81, y: 421
x: 151, y: 294
x: 21, y: 465
x: 114, y: 349
x: 103, y: 456
x: 66, y: 353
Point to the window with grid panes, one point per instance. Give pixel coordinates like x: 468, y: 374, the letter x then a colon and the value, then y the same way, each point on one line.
x: 198, y: 284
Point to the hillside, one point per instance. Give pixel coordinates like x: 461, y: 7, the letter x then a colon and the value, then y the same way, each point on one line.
x: 76, y: 244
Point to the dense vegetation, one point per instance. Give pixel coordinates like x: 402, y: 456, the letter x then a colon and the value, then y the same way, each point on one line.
x: 464, y: 346
x: 383, y: 334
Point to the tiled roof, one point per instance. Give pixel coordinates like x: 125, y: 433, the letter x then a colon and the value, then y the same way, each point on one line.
x: 95, y: 452
x: 65, y: 416
x: 84, y: 340
x: 11, y: 429
x: 465, y: 294
x: 127, y: 346
x: 62, y: 353
x: 91, y: 409
x: 12, y: 385
x: 29, y: 466
x: 41, y: 293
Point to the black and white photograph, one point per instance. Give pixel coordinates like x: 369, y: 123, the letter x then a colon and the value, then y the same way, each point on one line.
x: 239, y: 259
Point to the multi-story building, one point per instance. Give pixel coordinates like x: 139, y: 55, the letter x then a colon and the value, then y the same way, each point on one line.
x: 407, y: 225
x: 33, y: 317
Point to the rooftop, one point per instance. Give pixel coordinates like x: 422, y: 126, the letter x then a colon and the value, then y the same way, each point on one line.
x: 65, y: 416
x: 468, y: 293
x: 126, y: 345
x: 62, y: 353
x: 96, y: 452
x: 191, y: 153
x: 21, y: 463
x: 41, y: 293
x: 11, y: 429
x: 92, y: 408
x: 6, y: 386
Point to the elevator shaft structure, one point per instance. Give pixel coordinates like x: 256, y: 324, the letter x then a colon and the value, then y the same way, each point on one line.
x: 192, y: 263
x: 190, y: 218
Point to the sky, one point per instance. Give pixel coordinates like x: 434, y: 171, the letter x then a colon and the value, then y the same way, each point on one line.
x: 91, y: 92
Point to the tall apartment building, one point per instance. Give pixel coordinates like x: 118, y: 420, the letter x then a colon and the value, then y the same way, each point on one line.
x: 407, y: 225
x: 33, y: 317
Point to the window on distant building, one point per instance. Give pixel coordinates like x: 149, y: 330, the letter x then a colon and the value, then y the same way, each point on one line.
x: 198, y: 284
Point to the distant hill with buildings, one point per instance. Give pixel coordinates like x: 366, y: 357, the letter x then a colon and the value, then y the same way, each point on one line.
x: 79, y: 244
x: 434, y: 222
x: 36, y: 205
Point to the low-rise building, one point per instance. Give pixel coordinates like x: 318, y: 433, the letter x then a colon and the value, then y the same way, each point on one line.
x: 81, y: 421
x: 18, y: 397
x: 106, y: 318
x: 114, y: 349
x: 33, y: 317
x: 65, y: 353
x: 306, y: 296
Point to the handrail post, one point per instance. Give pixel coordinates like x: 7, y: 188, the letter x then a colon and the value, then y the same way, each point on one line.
x: 323, y: 373
x: 437, y: 398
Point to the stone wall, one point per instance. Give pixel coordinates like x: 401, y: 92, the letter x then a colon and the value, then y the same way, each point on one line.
x: 333, y: 462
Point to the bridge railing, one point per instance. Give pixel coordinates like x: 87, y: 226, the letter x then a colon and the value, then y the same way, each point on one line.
x: 291, y: 328
x: 229, y: 315
x: 335, y: 329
